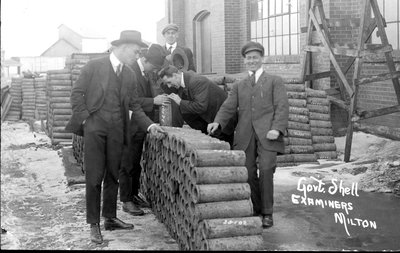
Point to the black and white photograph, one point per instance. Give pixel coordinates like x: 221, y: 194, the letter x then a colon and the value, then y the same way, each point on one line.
x: 191, y: 125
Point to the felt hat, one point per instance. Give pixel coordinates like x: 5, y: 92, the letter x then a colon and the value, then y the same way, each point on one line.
x: 156, y: 55
x: 252, y: 46
x: 170, y: 27
x: 129, y: 37
x: 179, y: 59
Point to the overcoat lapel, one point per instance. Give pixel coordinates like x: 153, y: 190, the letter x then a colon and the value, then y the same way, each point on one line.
x: 105, y: 71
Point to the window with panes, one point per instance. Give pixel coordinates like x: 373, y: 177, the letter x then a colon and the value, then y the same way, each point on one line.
x: 275, y: 24
x: 390, y: 10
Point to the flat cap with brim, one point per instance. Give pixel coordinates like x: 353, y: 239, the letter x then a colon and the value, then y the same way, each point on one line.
x: 129, y: 37
x: 170, y: 27
x: 156, y: 55
x: 252, y: 46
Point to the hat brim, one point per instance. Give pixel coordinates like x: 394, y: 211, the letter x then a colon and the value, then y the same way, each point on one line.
x: 253, y: 49
x: 170, y: 28
x: 137, y: 42
x: 179, y: 54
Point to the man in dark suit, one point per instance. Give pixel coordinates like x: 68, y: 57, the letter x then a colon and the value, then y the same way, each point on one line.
x: 149, y: 97
x: 102, y: 101
x: 198, y: 100
x: 263, y: 111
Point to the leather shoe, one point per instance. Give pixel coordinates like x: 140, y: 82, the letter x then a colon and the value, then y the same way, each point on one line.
x: 95, y: 234
x: 131, y: 208
x: 267, y: 221
x: 140, y: 201
x: 115, y: 223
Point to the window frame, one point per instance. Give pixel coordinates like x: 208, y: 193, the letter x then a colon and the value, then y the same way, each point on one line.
x: 271, y: 20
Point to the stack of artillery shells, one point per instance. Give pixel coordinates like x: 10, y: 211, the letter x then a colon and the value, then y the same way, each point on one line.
x: 77, y: 148
x: 77, y: 60
x: 14, y: 113
x: 321, y: 125
x: 298, y: 142
x: 28, y: 98
x: 59, y: 87
x: 41, y: 97
x: 198, y: 188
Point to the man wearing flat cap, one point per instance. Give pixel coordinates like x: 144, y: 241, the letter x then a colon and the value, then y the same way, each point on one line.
x: 171, y: 34
x: 262, y: 122
x: 102, y: 99
x: 149, y: 97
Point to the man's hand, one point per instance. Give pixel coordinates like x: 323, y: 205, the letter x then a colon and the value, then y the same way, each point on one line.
x: 212, y: 127
x: 272, y: 134
x: 161, y: 99
x: 175, y: 97
x: 157, y: 130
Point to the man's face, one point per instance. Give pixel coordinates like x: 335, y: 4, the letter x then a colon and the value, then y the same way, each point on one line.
x: 253, y: 60
x: 131, y: 53
x: 173, y: 81
x: 171, y: 36
x: 148, y: 67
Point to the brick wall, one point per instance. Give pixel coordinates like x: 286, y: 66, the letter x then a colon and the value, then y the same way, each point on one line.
x: 234, y: 26
x: 378, y: 94
x: 371, y: 96
x: 231, y: 30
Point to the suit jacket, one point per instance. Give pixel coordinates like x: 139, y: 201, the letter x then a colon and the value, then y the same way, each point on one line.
x: 189, y: 55
x: 147, y: 90
x: 263, y: 107
x: 87, y: 96
x: 201, y: 96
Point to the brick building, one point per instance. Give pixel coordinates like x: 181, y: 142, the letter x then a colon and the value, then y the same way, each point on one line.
x: 216, y: 30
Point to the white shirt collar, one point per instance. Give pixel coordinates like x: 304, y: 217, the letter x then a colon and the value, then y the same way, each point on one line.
x: 183, y: 82
x: 173, y: 46
x: 258, y: 73
x: 114, y: 61
x: 139, y: 61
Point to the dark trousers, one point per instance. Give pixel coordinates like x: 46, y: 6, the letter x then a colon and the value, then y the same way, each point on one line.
x: 262, y: 186
x: 197, y: 122
x: 102, y: 153
x: 176, y: 116
x: 129, y: 175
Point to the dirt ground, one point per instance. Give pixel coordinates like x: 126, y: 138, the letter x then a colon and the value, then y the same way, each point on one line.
x: 41, y: 211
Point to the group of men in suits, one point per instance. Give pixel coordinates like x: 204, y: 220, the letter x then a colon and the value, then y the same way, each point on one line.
x: 115, y: 104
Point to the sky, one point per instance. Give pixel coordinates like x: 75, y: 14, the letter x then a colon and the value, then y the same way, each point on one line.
x: 29, y: 27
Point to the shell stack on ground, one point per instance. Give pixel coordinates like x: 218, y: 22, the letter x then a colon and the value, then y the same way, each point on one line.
x: 321, y: 126
x: 298, y: 142
x: 14, y: 113
x: 59, y: 85
x: 77, y: 149
x: 198, y: 188
x: 41, y: 97
x: 28, y: 98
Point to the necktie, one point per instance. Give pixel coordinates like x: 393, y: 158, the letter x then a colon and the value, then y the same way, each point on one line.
x: 170, y: 49
x: 253, y: 78
x: 118, y: 71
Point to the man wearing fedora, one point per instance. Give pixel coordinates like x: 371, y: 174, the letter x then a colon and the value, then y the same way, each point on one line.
x: 149, y: 98
x: 263, y: 111
x: 102, y: 100
x: 198, y: 100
